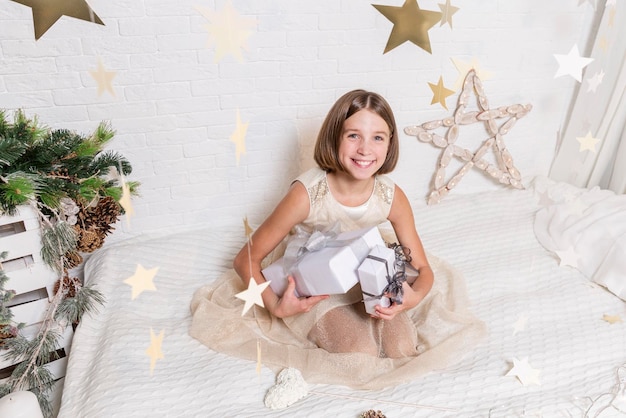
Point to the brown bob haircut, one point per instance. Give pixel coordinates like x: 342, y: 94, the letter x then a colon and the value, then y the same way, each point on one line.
x: 329, y: 137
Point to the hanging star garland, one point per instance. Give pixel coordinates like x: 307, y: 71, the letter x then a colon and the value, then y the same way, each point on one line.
x: 410, y: 23
x: 572, y: 64
x: 154, y: 351
x: 447, y: 11
x: 142, y: 280
x: 228, y: 30
x: 238, y: 137
x: 252, y: 295
x: 103, y: 79
x: 587, y: 142
x: 504, y: 171
x: 524, y: 372
x: 47, y: 12
x: 440, y: 93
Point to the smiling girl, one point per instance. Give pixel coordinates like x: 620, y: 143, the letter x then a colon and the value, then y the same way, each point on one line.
x: 331, y: 339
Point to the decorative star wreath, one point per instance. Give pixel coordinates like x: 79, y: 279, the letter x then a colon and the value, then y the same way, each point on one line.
x: 504, y: 170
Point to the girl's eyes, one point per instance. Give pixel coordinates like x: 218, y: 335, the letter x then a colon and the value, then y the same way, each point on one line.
x: 379, y: 138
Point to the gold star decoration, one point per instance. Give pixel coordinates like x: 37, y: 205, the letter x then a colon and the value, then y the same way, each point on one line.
x: 142, y: 280
x: 447, y: 10
x: 524, y: 372
x: 252, y: 295
x: 228, y: 30
x: 47, y: 12
x: 440, y: 92
x: 248, y: 230
x: 410, y: 23
x: 125, y: 201
x: 238, y: 137
x: 154, y: 351
x: 103, y: 79
x: 587, y: 142
x: 504, y: 171
x: 612, y: 319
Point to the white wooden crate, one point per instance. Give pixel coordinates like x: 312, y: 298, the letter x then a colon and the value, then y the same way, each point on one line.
x: 32, y: 280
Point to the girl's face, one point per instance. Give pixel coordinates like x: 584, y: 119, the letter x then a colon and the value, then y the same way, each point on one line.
x: 364, y: 143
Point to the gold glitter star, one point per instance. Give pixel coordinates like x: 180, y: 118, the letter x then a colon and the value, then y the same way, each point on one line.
x: 228, y: 30
x: 154, y: 351
x: 410, y: 23
x: 142, y: 280
x: 104, y: 79
x: 47, y: 12
x: 239, y: 137
x: 440, y: 92
x: 248, y: 230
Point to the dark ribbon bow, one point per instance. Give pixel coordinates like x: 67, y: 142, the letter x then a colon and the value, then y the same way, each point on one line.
x: 394, y: 281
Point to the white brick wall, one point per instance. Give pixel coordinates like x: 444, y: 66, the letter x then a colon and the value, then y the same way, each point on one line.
x: 174, y: 107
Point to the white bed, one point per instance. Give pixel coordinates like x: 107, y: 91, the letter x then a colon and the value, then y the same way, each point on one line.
x: 533, y: 308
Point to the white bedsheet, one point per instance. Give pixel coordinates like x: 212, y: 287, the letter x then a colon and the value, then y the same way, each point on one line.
x: 488, y: 237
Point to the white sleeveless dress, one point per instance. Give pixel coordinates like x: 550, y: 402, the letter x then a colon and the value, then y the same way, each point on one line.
x: 430, y: 336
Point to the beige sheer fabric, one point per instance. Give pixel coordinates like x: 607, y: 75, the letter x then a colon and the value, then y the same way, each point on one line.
x: 337, y: 342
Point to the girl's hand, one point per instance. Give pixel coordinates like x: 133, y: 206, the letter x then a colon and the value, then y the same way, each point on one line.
x: 289, y: 304
x: 410, y: 299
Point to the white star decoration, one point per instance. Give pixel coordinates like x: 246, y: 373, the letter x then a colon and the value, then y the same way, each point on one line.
x: 572, y: 64
x: 544, y: 199
x: 142, y: 280
x: 587, y: 142
x: 520, y: 324
x: 504, y: 171
x: 568, y: 258
x: 252, y: 295
x: 524, y: 372
x: 594, y: 81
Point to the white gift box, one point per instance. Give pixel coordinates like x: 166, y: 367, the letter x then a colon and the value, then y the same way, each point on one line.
x: 330, y: 270
x: 373, y: 273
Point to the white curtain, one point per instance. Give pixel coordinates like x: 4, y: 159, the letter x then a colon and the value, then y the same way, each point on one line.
x: 598, y: 112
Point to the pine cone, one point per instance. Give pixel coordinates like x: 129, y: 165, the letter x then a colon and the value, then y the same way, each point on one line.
x: 71, y: 286
x: 372, y: 414
x: 72, y: 259
x: 107, y: 211
x: 89, y: 240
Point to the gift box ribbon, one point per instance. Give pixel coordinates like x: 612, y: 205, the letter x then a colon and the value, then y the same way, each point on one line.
x: 394, y: 281
x: 304, y: 242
